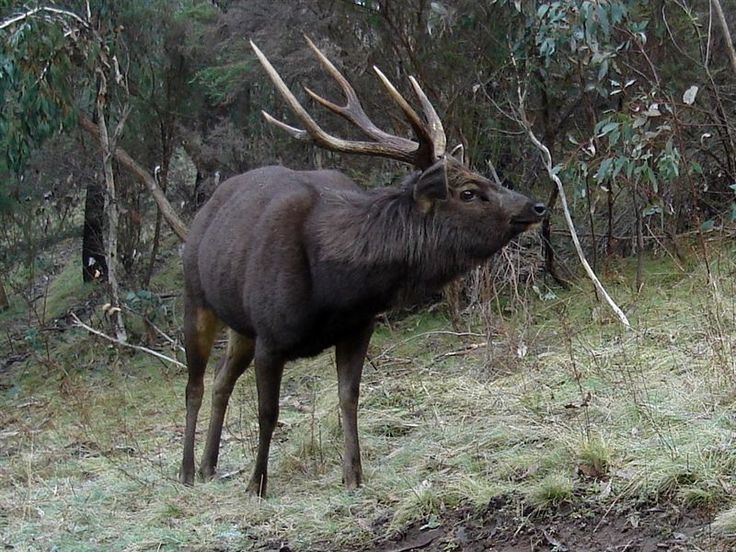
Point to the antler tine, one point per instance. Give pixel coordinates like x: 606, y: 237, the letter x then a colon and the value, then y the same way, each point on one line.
x: 353, y: 110
x: 388, y: 145
x: 312, y: 127
x: 414, y: 120
x: 297, y: 133
x: 439, y: 139
x: 333, y: 71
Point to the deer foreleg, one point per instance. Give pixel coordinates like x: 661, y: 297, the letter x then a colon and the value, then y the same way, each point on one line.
x: 349, y: 356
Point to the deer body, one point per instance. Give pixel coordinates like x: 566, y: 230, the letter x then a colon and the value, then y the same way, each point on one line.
x: 294, y: 262
x: 261, y: 266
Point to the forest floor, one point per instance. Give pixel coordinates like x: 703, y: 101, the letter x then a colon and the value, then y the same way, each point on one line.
x: 548, y: 429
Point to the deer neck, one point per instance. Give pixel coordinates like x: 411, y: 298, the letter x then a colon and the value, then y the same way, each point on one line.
x: 383, y: 230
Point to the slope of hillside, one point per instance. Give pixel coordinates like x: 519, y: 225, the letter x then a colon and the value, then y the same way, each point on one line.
x: 556, y: 430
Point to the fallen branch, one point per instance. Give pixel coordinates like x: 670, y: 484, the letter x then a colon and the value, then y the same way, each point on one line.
x: 173, y: 220
x: 80, y: 324
x: 460, y: 352
x: 234, y: 473
x: 547, y: 160
x: 173, y: 342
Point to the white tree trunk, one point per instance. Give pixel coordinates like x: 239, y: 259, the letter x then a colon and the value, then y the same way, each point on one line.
x: 111, y: 208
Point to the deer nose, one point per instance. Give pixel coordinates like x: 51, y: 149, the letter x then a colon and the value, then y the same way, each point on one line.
x: 540, y: 209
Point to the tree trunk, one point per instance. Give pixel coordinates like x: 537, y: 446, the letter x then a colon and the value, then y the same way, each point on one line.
x: 609, y: 233
x: 550, y: 133
x: 726, y: 33
x: 549, y: 252
x: 115, y: 313
x: 4, y: 303
x: 163, y: 179
x: 94, y: 265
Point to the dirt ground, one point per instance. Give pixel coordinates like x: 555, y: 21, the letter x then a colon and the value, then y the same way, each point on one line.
x: 503, y: 529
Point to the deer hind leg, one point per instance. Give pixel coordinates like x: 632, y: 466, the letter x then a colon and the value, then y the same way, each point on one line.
x: 349, y: 357
x: 269, y: 368
x: 200, y: 328
x: 239, y: 354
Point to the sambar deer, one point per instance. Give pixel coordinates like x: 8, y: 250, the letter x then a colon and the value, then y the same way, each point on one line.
x: 293, y: 262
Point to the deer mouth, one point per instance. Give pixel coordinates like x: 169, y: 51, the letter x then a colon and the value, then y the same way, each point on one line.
x: 525, y: 221
x: 523, y: 224
x: 533, y: 217
x: 519, y: 228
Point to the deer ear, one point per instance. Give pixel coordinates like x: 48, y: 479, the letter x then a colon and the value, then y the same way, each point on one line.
x: 458, y: 152
x: 431, y: 186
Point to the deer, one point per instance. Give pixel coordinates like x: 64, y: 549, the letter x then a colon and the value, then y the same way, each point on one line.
x: 293, y: 262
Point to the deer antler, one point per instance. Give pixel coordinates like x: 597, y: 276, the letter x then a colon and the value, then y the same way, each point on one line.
x: 431, y: 135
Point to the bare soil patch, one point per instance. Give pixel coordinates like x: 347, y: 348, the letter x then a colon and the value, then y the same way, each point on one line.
x: 503, y: 528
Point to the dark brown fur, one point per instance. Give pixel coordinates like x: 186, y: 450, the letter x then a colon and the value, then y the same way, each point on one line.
x: 293, y: 262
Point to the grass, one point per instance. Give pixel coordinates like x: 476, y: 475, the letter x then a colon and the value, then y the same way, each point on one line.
x: 90, y: 445
x: 552, y: 491
x: 55, y: 292
x: 66, y: 290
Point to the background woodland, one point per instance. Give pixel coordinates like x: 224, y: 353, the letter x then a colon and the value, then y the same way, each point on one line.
x: 514, y: 411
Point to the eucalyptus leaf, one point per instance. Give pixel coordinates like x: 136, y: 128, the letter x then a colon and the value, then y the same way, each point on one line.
x: 689, y: 96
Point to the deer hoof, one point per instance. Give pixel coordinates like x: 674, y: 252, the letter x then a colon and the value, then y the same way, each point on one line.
x: 206, y: 473
x: 257, y: 487
x: 186, y: 479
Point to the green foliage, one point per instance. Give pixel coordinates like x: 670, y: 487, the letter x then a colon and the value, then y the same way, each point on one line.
x: 197, y: 11
x: 35, y: 92
x: 223, y: 82
x: 146, y: 304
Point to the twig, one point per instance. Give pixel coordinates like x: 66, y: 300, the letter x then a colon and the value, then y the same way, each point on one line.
x: 547, y: 160
x: 230, y: 475
x: 30, y: 13
x: 460, y: 352
x: 173, y: 342
x: 146, y: 350
x: 384, y: 353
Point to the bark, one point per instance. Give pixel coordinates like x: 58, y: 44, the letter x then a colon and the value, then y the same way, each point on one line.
x: 170, y: 216
x: 4, y: 303
x: 115, y: 313
x: 157, y: 231
x: 94, y: 265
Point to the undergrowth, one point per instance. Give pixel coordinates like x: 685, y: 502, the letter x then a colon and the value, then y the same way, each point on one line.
x: 584, y: 413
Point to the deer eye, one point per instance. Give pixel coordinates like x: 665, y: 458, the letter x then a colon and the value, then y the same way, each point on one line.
x: 468, y: 195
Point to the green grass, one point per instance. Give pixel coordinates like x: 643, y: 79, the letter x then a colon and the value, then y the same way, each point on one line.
x: 53, y: 297
x: 552, y: 491
x: 90, y: 444
x: 66, y: 290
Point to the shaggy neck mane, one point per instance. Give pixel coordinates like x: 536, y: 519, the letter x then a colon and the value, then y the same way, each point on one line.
x: 384, y: 228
